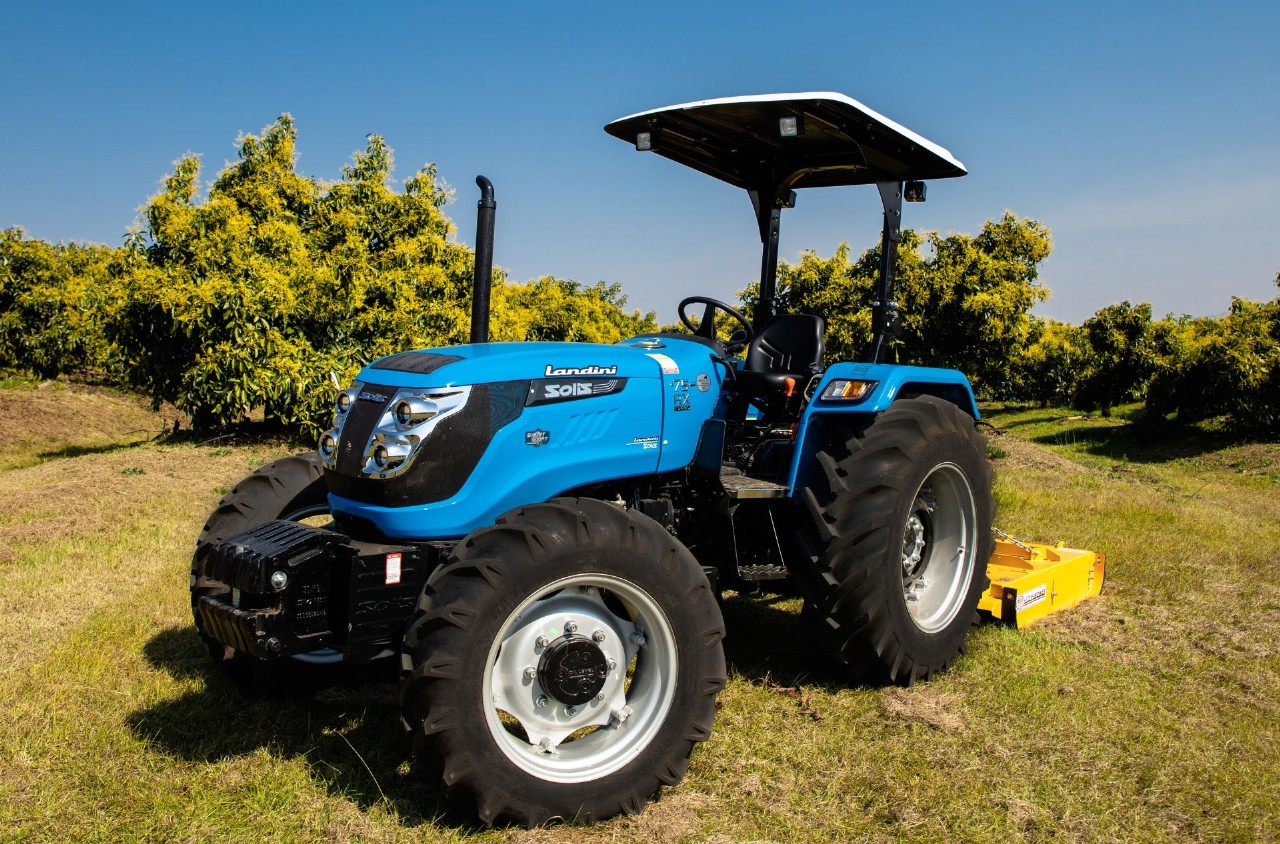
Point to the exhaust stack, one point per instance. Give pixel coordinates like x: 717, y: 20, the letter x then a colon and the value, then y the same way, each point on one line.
x: 487, y: 208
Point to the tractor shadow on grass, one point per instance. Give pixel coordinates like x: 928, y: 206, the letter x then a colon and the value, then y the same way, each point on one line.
x: 346, y: 726
x: 768, y: 643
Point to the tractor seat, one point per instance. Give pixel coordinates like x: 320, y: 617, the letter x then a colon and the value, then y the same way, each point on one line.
x: 789, y: 346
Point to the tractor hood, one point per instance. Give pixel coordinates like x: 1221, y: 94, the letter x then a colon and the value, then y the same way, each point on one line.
x: 491, y: 362
x: 433, y: 443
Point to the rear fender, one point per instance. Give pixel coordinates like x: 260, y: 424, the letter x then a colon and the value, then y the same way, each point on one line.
x: 827, y: 418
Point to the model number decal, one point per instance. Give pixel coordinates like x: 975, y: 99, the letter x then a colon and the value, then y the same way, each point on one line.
x: 1026, y: 600
x: 550, y: 392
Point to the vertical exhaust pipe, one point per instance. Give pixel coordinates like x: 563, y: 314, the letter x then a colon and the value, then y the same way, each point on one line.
x: 487, y: 208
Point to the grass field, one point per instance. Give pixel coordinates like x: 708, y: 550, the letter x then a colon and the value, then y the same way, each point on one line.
x: 1149, y: 714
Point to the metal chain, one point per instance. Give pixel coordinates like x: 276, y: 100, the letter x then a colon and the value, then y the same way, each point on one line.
x: 1007, y: 538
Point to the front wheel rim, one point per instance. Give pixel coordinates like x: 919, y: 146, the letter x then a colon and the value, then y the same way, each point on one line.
x: 938, y: 548
x: 580, y: 741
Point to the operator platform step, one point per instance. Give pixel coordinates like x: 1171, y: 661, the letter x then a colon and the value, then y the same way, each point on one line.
x: 738, y: 485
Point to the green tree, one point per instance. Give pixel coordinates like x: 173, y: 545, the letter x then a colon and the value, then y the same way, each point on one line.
x: 1228, y: 366
x: 50, y: 298
x: 1047, y: 369
x: 248, y: 297
x: 1122, y: 356
x: 556, y: 309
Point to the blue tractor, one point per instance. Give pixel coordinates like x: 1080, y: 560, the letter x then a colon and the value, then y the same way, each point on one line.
x: 538, y: 531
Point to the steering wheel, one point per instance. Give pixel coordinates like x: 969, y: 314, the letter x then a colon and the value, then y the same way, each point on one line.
x: 707, y: 327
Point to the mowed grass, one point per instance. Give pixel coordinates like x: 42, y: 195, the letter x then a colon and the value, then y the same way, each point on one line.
x: 1149, y: 714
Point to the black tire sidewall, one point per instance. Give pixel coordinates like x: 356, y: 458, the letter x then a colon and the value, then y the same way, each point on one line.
x: 949, y: 447
x: 868, y: 474
x: 673, y: 581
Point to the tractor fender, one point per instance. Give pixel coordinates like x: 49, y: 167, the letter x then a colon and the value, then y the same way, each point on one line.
x: 888, y: 383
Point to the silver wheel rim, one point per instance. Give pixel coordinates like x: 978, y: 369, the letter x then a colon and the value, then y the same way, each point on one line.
x: 563, y: 743
x: 938, y: 547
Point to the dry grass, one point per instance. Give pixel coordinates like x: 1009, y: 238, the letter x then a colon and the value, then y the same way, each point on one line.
x: 50, y: 419
x: 1150, y: 714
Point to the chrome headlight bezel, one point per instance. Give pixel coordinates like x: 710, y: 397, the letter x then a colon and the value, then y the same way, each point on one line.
x: 407, y: 420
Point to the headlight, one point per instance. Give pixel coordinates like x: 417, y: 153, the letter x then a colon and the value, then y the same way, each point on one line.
x: 842, y: 389
x: 406, y: 420
x: 412, y: 411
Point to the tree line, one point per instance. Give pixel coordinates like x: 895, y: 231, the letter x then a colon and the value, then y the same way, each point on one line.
x: 247, y: 297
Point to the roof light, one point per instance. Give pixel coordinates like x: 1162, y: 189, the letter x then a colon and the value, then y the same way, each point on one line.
x: 789, y: 127
x: 644, y: 141
x: 913, y: 192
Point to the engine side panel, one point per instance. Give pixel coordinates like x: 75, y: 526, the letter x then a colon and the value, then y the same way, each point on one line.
x: 544, y: 450
x: 526, y: 421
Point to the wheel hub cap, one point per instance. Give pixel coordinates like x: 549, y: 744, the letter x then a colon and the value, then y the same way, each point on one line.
x: 573, y: 669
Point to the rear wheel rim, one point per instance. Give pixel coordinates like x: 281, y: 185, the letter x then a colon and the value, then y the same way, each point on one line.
x: 939, y: 545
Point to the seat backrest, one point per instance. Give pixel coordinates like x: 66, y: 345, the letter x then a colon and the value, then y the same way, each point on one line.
x: 789, y: 343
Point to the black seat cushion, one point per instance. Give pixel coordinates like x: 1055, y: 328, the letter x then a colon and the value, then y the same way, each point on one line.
x: 789, y: 348
x: 790, y: 345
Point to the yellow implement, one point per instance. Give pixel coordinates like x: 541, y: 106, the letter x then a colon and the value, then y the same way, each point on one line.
x: 1030, y: 581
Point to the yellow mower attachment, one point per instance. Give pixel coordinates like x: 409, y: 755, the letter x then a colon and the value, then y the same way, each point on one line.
x: 1030, y: 581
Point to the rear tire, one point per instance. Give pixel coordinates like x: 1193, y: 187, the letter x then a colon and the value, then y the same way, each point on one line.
x: 290, y: 488
x: 527, y: 690
x: 898, y: 536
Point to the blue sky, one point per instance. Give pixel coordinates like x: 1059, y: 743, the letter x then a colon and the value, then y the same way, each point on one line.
x: 1145, y: 135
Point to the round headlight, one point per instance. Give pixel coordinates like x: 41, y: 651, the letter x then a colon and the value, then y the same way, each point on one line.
x: 344, y: 401
x: 380, y: 455
x: 327, y: 444
x: 413, y: 411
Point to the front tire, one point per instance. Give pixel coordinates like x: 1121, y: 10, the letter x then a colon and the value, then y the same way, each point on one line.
x: 563, y: 664
x: 897, y: 537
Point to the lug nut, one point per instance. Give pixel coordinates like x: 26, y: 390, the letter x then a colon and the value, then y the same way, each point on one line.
x: 541, y: 701
x: 530, y: 673
x: 542, y: 641
x: 571, y: 711
x: 571, y: 627
x: 597, y: 636
x: 612, y: 663
x: 638, y: 637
